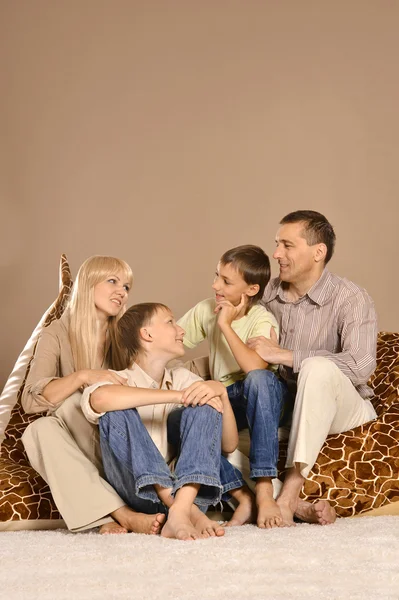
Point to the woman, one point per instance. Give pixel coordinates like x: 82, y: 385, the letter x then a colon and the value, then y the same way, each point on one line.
x: 133, y: 426
x: 72, y: 353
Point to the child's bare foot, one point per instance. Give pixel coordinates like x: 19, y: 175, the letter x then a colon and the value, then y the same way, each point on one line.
x: 139, y: 522
x: 246, y: 509
x: 269, y: 514
x: 179, y: 526
x: 204, y: 525
x: 320, y: 512
x: 112, y: 528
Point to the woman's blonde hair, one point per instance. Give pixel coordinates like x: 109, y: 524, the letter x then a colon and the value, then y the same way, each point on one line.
x: 83, y: 322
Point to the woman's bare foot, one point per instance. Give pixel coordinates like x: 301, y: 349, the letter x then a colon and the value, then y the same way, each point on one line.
x: 320, y: 512
x: 246, y: 509
x: 179, y: 526
x: 204, y: 525
x: 269, y: 513
x: 112, y: 528
x: 139, y: 522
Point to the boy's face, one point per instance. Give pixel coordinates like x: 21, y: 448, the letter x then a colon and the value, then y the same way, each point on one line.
x: 166, y: 335
x: 229, y: 284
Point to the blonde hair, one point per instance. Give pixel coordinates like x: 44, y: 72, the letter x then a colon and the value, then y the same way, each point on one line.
x: 83, y: 324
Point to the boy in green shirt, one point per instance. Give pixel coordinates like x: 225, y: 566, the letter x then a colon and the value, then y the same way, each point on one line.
x: 228, y: 320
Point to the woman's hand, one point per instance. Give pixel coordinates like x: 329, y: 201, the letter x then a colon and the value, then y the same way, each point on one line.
x: 91, y: 376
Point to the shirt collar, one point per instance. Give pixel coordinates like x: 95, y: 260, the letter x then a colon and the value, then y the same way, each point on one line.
x: 318, y: 293
x: 142, y: 378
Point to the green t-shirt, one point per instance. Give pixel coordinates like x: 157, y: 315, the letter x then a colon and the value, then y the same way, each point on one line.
x: 200, y: 323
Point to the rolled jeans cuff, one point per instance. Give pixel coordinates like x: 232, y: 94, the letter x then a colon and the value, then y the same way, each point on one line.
x: 256, y: 473
x: 144, y: 486
x: 215, y: 489
x: 233, y: 485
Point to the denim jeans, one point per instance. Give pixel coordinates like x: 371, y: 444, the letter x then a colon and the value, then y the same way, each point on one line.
x: 133, y: 463
x: 257, y: 403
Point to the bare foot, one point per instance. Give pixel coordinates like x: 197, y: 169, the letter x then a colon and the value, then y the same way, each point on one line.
x: 287, y: 510
x: 204, y: 525
x: 139, y: 522
x: 269, y: 514
x: 112, y: 528
x: 246, y: 509
x: 320, y: 512
x: 179, y: 526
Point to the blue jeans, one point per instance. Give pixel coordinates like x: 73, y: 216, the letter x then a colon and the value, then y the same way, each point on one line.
x: 257, y: 403
x: 133, y: 463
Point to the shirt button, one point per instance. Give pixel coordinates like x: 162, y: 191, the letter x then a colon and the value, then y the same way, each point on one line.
x: 292, y: 330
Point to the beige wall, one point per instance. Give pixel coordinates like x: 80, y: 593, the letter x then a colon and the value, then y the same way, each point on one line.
x: 166, y: 131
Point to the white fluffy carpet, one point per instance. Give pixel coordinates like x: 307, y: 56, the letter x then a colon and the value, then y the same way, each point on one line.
x: 353, y: 559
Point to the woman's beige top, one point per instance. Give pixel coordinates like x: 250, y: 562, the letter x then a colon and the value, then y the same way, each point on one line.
x: 52, y: 360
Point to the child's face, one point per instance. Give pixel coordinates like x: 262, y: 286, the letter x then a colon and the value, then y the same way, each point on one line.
x: 166, y: 335
x: 229, y: 284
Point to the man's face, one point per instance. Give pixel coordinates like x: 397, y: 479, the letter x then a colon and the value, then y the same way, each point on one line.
x: 297, y: 260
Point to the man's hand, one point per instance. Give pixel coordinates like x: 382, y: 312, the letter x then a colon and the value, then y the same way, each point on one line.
x: 270, y: 351
x: 227, y: 312
x: 205, y: 392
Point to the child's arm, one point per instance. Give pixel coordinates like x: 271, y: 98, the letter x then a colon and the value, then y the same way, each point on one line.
x: 248, y: 359
x: 120, y: 397
x: 206, y: 392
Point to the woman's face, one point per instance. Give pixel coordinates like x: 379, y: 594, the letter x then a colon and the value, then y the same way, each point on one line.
x: 110, y: 296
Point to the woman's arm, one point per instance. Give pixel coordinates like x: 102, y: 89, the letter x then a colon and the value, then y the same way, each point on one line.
x: 58, y: 390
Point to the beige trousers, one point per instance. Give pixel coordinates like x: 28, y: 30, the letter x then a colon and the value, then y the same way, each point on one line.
x: 326, y: 402
x: 64, y: 449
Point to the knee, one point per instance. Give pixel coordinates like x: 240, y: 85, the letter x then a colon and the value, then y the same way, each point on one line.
x: 259, y: 378
x: 317, y: 368
x: 39, y: 427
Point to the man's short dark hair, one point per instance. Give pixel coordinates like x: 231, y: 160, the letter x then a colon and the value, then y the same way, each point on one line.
x: 316, y: 230
x: 253, y: 264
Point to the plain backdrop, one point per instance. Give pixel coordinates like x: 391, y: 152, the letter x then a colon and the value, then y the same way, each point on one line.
x: 167, y: 131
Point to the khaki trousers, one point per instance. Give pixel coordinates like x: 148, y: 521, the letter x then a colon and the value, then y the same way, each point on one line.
x: 64, y: 449
x: 326, y: 402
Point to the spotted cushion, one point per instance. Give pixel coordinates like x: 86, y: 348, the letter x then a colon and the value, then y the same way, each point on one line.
x: 25, y: 499
x: 358, y: 471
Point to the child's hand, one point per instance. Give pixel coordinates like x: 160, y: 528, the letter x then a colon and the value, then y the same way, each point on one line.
x: 227, y: 312
x: 201, y: 392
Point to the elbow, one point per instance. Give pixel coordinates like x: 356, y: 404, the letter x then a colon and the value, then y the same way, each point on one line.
x: 98, y: 399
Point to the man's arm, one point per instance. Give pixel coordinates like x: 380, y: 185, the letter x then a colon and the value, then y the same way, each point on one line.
x: 357, y: 358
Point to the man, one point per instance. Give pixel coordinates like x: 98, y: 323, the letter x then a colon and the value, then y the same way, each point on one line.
x: 326, y: 353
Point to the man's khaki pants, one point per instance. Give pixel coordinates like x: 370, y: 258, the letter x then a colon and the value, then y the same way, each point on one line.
x: 326, y: 402
x: 64, y: 449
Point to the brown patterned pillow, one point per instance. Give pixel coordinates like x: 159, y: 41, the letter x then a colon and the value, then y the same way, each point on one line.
x: 25, y: 499
x: 358, y: 471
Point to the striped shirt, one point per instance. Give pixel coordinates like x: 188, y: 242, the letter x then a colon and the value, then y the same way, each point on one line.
x: 335, y: 319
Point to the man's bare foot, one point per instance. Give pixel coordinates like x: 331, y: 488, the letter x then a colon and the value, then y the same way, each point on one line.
x: 269, y: 514
x: 287, y: 510
x: 139, y: 522
x: 204, y: 525
x: 112, y: 528
x: 246, y: 509
x: 320, y: 512
x: 179, y: 526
